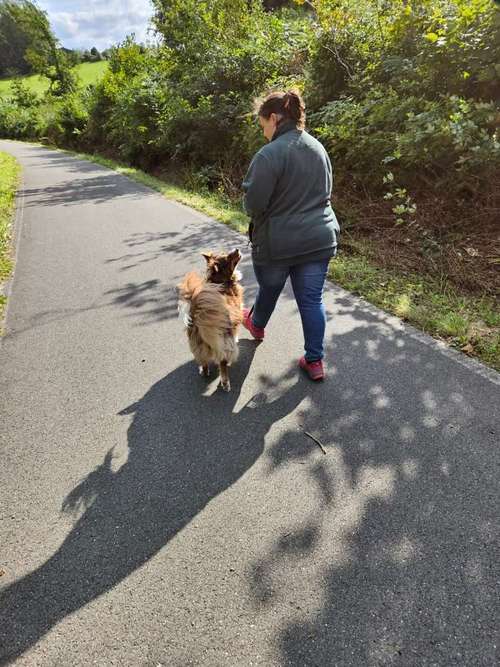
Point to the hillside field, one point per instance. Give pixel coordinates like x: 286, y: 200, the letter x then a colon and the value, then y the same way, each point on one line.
x: 87, y: 73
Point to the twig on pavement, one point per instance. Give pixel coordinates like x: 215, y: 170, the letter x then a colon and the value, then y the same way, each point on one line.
x: 320, y: 444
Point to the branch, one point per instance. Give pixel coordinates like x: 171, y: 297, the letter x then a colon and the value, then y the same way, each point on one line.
x: 320, y: 445
x: 335, y: 52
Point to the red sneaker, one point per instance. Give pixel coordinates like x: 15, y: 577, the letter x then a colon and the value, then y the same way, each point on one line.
x: 256, y: 332
x: 314, y: 369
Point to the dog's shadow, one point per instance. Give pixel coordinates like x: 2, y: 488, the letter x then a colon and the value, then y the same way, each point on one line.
x: 184, y: 448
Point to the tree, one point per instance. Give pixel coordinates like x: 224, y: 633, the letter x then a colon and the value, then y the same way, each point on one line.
x: 94, y: 54
x: 73, y: 56
x: 13, y: 45
x: 43, y: 52
x: 192, y: 28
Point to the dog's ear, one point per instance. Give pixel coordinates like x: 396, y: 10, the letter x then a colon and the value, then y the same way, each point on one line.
x: 211, y: 261
x: 234, y: 257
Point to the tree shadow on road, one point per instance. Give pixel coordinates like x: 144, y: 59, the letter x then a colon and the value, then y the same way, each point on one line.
x: 150, y: 300
x: 196, y: 237
x: 55, y: 159
x: 398, y: 561
x: 153, y: 300
x: 184, y: 448
x: 97, y: 190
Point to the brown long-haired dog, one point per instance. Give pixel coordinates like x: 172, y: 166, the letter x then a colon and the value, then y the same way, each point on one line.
x: 212, y: 308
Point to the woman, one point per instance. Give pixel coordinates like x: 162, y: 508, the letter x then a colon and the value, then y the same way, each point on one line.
x: 293, y: 228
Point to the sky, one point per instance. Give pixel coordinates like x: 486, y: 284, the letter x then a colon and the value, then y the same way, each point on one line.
x: 82, y: 24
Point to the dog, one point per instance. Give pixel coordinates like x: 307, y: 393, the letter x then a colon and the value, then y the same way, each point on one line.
x: 212, y: 308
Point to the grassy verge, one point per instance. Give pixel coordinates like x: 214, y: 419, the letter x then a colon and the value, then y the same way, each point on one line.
x: 9, y: 178
x: 470, y: 324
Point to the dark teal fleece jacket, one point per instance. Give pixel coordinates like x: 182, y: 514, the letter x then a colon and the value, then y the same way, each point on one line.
x: 287, y: 196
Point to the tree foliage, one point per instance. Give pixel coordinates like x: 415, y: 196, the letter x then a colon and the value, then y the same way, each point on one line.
x: 413, y: 83
x: 42, y: 52
x: 13, y: 44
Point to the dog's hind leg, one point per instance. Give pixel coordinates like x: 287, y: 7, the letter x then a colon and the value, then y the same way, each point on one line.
x: 204, y: 370
x: 224, y: 376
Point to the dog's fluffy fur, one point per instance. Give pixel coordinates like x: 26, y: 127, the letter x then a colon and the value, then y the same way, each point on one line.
x: 212, y: 309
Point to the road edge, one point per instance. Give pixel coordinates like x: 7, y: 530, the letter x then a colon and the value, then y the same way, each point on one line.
x: 16, y: 230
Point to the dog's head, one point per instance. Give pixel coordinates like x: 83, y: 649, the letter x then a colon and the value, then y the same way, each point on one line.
x: 221, y: 268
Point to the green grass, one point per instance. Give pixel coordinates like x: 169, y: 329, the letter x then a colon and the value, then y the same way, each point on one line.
x: 35, y: 83
x: 91, y: 72
x: 87, y: 73
x: 470, y: 324
x: 9, y: 178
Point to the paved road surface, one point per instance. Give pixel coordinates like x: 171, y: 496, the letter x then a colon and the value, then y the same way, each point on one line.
x: 148, y: 519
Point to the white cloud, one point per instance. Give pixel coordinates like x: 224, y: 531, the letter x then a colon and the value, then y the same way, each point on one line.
x: 100, y: 23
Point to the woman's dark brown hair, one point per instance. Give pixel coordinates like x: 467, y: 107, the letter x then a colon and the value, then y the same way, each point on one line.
x: 289, y: 105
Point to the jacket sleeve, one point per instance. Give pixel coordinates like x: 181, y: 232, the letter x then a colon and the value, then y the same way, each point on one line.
x: 258, y: 185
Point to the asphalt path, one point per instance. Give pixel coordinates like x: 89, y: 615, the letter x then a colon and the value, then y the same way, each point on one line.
x: 148, y: 518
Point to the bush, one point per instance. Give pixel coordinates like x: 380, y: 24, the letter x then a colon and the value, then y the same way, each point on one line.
x: 448, y: 139
x: 65, y: 119
x: 18, y: 122
x: 22, y: 95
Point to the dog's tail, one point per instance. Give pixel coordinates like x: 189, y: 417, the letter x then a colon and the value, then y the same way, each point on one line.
x: 188, y: 289
x: 190, y: 286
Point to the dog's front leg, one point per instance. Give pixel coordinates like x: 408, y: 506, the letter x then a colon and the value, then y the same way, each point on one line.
x: 224, y: 376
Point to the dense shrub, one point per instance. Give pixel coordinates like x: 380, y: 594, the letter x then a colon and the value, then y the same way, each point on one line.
x: 65, y: 119
x: 17, y: 122
x: 449, y: 139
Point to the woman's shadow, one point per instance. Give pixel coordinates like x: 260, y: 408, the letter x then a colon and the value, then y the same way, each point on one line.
x: 185, y: 448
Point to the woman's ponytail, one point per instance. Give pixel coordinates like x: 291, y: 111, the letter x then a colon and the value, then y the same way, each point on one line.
x: 294, y: 106
x: 289, y: 105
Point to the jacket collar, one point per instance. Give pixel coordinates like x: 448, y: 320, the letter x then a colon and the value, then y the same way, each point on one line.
x: 283, y: 127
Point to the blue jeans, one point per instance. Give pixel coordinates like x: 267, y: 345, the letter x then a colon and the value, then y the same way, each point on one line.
x: 308, y: 281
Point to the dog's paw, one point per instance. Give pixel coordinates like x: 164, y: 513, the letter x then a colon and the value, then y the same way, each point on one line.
x: 226, y: 386
x: 204, y: 371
